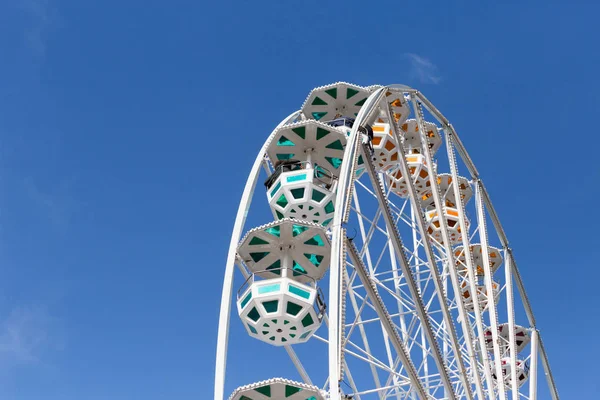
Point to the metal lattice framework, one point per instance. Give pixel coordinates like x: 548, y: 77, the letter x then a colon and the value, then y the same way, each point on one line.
x: 420, y: 299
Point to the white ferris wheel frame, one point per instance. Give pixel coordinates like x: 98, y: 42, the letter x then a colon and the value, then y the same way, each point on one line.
x: 339, y: 243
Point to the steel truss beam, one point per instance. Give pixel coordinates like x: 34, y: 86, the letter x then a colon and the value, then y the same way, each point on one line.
x: 491, y: 303
x: 408, y: 274
x: 338, y: 234
x: 448, y: 249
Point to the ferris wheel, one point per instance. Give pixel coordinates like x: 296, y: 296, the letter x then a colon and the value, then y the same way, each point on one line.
x: 384, y: 271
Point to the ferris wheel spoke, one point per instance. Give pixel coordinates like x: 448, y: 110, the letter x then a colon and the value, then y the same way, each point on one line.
x: 366, y: 357
x: 358, y: 322
x: 365, y: 250
x: 401, y: 296
x: 396, y: 386
x: 386, y: 321
x: 351, y: 381
x: 299, y: 367
x: 377, y: 319
x: 352, y: 384
x: 510, y: 305
x: 374, y: 227
x: 363, y: 322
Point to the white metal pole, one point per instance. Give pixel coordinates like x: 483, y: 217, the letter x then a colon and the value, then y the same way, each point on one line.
x: 418, y: 274
x: 298, y: 364
x: 388, y: 349
x: 337, y: 261
x: 449, y: 324
x: 386, y: 321
x: 286, y: 265
x: 489, y: 288
x: 445, y: 349
x: 533, y: 366
x: 338, y: 257
x: 470, y: 268
x: 511, y: 326
x: 361, y: 328
x: 546, y: 365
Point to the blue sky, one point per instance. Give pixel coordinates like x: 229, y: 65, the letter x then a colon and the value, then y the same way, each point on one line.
x: 127, y: 129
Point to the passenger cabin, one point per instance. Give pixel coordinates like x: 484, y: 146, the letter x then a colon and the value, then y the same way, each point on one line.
x: 522, y: 338
x: 482, y: 296
x: 279, y: 303
x: 494, y: 257
x: 280, y: 311
x: 417, y: 164
x: 522, y: 372
x: 306, y: 159
x: 449, y: 210
x: 278, y: 388
x: 299, y: 190
x: 345, y: 124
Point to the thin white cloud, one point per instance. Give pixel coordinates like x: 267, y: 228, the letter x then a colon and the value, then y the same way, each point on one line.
x: 56, y: 202
x: 25, y: 334
x: 422, y: 69
x: 41, y: 17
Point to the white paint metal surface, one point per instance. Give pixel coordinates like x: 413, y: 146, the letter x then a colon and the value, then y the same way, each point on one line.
x: 417, y: 349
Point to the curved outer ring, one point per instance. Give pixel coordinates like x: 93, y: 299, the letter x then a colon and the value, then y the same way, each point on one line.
x: 240, y: 219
